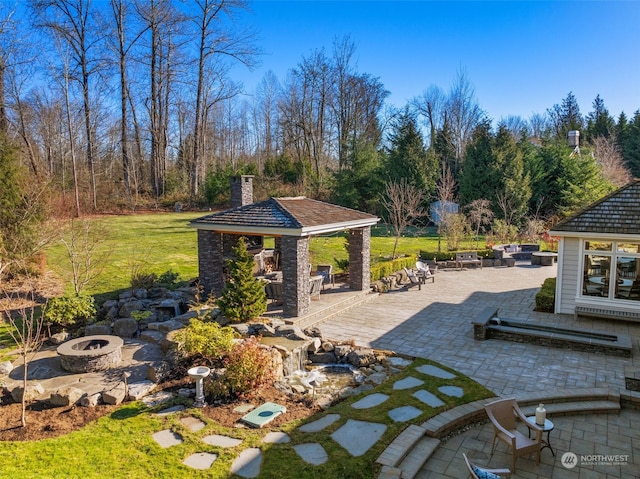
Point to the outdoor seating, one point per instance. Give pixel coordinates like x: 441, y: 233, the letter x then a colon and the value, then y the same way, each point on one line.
x: 273, y: 290
x: 315, y: 285
x: 468, y: 258
x: 482, y: 472
x: 414, y: 279
x: 503, y: 415
x: 326, y: 271
x: 424, y: 272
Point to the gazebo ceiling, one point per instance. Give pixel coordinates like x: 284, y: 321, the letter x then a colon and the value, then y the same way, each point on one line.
x: 298, y: 216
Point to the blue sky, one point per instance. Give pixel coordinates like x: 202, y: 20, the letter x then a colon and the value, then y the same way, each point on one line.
x: 521, y: 57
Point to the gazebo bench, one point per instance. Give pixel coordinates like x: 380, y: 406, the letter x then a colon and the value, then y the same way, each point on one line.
x: 588, y: 311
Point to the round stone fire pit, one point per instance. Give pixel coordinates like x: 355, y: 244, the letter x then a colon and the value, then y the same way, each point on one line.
x: 90, y: 353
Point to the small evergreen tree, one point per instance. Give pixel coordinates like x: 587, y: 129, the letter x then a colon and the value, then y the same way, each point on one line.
x: 243, y: 297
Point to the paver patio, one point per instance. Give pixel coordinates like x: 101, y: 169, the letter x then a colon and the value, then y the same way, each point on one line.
x: 435, y: 323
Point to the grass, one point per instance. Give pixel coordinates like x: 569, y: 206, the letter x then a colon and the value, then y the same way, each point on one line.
x: 121, y: 444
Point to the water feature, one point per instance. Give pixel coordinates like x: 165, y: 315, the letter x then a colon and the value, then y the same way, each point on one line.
x: 293, y: 352
x: 327, y: 379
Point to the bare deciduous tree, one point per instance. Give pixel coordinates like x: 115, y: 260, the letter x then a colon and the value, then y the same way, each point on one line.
x: 446, y: 189
x: 402, y: 201
x: 26, y: 332
x: 480, y: 214
x: 608, y: 156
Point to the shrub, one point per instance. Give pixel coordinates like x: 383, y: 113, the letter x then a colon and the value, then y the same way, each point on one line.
x: 142, y: 280
x: 208, y: 339
x: 248, y: 368
x: 546, y: 297
x: 70, y: 310
x: 381, y: 270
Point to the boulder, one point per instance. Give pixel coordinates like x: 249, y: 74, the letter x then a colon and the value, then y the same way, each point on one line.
x: 140, y: 389
x: 314, y: 345
x: 129, y: 307
x: 361, y: 357
x: 59, y: 338
x: 5, y: 368
x: 115, y: 395
x: 97, y: 329
x: 322, y: 358
x: 159, y: 371
x: 152, y: 336
x: 290, y: 331
x: 140, y: 293
x: 328, y: 346
x: 261, y: 329
x: 67, y: 396
x: 125, y: 327
x: 91, y: 400
x: 341, y: 350
x: 34, y: 390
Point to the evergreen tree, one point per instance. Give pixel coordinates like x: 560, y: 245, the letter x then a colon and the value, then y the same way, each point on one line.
x: 566, y: 117
x: 515, y: 191
x: 243, y: 297
x: 443, y: 147
x: 477, y: 178
x: 631, y: 145
x: 407, y: 157
x: 359, y: 183
x: 599, y: 122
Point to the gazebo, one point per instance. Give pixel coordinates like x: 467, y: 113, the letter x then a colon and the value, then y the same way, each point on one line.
x: 292, y: 222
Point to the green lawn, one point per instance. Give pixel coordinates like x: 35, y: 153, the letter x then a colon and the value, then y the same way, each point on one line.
x: 120, y: 445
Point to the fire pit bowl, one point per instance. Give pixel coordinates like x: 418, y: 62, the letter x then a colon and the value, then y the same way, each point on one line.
x: 90, y: 353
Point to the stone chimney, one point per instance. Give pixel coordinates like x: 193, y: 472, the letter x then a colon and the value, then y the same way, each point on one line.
x: 241, y: 190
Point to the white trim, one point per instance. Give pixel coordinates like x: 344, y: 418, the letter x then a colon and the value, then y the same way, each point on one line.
x: 587, y: 235
x: 558, y: 299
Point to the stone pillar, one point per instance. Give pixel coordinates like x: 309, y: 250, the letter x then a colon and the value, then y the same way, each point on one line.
x: 360, y: 258
x: 241, y: 190
x: 295, y: 276
x: 210, y: 262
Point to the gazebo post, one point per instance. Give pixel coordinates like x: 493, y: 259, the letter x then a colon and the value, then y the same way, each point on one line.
x: 210, y: 262
x: 295, y: 275
x: 360, y: 258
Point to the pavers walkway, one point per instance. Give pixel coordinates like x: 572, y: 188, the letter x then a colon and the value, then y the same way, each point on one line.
x: 435, y: 323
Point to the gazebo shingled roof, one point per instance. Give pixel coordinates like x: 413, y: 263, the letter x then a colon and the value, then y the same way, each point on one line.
x: 616, y: 214
x: 296, y: 216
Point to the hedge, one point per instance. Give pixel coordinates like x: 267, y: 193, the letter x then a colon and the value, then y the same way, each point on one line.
x: 546, y: 297
x: 380, y: 270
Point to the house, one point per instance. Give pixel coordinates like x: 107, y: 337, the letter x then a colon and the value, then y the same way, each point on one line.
x: 599, y: 256
x: 291, y: 222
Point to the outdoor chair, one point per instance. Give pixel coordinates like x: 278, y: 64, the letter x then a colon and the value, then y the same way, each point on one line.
x: 315, y: 286
x: 273, y: 290
x: 482, y: 472
x: 503, y: 415
x: 425, y: 271
x: 326, y: 271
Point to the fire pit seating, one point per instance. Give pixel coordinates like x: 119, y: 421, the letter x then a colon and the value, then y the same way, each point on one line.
x: 468, y: 258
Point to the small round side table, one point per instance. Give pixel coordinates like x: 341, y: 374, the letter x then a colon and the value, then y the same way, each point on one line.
x: 547, y: 427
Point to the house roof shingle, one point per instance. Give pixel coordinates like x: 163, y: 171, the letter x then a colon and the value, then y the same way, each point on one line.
x: 616, y: 214
x: 297, y: 216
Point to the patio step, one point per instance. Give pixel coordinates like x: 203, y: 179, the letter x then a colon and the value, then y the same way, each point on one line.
x: 576, y: 401
x: 332, y: 310
x: 407, y: 453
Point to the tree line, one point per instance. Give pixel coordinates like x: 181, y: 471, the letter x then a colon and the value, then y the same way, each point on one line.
x: 129, y: 103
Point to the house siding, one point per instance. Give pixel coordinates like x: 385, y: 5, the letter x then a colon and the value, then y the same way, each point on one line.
x: 570, y: 267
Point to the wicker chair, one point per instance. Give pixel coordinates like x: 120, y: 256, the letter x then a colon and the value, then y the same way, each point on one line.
x: 477, y: 471
x: 503, y: 415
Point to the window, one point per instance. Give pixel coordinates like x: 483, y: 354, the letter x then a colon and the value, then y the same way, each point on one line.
x: 611, y: 270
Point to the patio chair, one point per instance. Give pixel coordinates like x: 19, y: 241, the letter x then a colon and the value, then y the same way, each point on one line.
x: 425, y: 271
x: 315, y: 285
x: 503, y: 415
x: 273, y: 290
x: 482, y: 472
x: 326, y: 271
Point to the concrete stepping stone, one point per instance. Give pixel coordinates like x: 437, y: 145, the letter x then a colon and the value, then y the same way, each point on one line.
x: 171, y: 410
x: 407, y: 383
x: 404, y: 413
x: 428, y: 398
x: 167, y: 438
x: 357, y: 437
x: 372, y: 400
x: 454, y: 391
x: 432, y: 370
x: 221, y: 441
x: 248, y: 463
x: 276, y: 437
x: 320, y: 424
x: 193, y: 423
x: 200, y: 460
x: 263, y: 414
x: 312, y: 453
